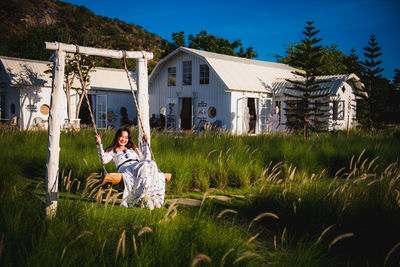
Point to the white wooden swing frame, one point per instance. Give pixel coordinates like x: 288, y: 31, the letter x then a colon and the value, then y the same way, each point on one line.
x: 54, y: 127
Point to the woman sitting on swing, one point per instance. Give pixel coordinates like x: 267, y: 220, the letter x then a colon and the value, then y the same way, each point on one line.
x: 144, y: 184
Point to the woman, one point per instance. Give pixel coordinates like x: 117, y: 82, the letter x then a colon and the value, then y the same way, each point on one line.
x: 144, y: 184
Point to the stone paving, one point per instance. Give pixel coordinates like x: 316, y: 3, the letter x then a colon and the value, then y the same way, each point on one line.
x: 190, y: 202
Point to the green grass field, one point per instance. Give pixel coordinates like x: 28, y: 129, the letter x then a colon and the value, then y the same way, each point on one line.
x: 325, y: 201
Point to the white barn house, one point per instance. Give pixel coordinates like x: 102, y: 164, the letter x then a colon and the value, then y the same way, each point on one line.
x: 25, y: 91
x: 193, y: 87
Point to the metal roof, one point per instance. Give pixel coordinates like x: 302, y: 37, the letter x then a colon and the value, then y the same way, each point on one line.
x: 235, y: 72
x: 30, y: 72
x: 332, y: 84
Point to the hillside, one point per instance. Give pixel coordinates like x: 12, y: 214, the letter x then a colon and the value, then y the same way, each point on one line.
x: 27, y: 24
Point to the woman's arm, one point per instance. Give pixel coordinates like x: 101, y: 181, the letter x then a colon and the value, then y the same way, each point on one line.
x: 146, y: 155
x: 107, y: 156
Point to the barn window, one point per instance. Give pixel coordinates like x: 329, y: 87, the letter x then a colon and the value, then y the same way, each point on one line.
x: 204, y: 74
x: 172, y: 76
x: 338, y: 110
x: 187, y: 73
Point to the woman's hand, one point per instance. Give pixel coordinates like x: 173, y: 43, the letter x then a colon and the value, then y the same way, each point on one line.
x: 98, y: 139
x: 145, y: 138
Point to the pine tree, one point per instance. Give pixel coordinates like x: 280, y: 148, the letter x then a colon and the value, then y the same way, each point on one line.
x: 371, y: 104
x: 352, y: 63
x: 305, y: 108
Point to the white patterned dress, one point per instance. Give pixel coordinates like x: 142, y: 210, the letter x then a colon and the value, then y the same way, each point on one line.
x: 144, y: 184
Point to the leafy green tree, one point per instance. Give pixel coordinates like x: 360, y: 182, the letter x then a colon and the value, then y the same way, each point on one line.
x: 178, y: 40
x: 211, y: 43
x: 305, y: 109
x: 371, y: 104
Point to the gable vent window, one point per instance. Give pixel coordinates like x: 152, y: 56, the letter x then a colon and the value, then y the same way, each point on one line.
x: 187, y: 73
x: 204, y: 74
x: 172, y: 76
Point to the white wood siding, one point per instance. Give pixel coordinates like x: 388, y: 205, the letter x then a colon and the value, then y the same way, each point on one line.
x: 213, y: 94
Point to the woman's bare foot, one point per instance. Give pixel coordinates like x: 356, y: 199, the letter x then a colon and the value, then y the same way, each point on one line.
x: 167, y: 177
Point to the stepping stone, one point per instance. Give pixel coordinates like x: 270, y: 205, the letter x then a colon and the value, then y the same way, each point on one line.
x: 184, y: 202
x: 223, y: 198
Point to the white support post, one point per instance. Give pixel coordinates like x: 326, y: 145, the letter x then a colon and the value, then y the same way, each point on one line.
x: 143, y: 98
x: 53, y: 145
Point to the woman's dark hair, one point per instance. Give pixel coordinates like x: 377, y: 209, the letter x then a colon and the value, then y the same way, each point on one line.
x: 129, y: 145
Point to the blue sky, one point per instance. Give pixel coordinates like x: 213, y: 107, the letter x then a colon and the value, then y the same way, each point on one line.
x: 268, y: 25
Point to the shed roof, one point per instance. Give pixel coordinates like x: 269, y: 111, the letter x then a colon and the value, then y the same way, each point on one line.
x: 235, y: 72
x: 332, y: 83
x: 30, y: 72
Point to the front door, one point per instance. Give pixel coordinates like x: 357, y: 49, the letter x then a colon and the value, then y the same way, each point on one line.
x: 186, y: 113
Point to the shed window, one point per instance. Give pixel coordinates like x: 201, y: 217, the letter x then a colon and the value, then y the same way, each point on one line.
x: 187, y: 73
x: 338, y: 110
x: 204, y: 74
x: 172, y: 76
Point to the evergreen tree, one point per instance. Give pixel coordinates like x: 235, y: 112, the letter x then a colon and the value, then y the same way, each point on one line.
x: 396, y: 79
x: 333, y: 61
x: 371, y: 104
x: 352, y: 63
x: 305, y: 109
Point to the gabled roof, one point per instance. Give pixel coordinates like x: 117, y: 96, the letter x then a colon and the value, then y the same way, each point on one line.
x: 30, y: 72
x: 235, y: 72
x: 21, y: 71
x: 332, y: 84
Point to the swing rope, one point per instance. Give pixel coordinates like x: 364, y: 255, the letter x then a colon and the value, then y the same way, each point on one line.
x: 90, y: 111
x: 135, y: 100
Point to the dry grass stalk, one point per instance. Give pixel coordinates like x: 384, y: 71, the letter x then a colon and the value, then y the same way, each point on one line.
x: 226, y: 255
x: 323, y: 233
x: 82, y: 234
x: 262, y: 215
x: 206, y: 194
x: 340, y: 237
x: 171, y: 212
x: 390, y: 253
x: 121, y: 243
x: 134, y: 244
x: 144, y: 230
x: 226, y: 211
x: 252, y: 238
x: 199, y: 258
x: 246, y: 255
x: 283, y: 236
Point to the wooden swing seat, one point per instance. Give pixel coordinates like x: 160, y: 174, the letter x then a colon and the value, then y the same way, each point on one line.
x: 116, y: 178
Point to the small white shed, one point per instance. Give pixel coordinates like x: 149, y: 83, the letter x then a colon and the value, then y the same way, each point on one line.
x: 342, y: 100
x: 25, y: 91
